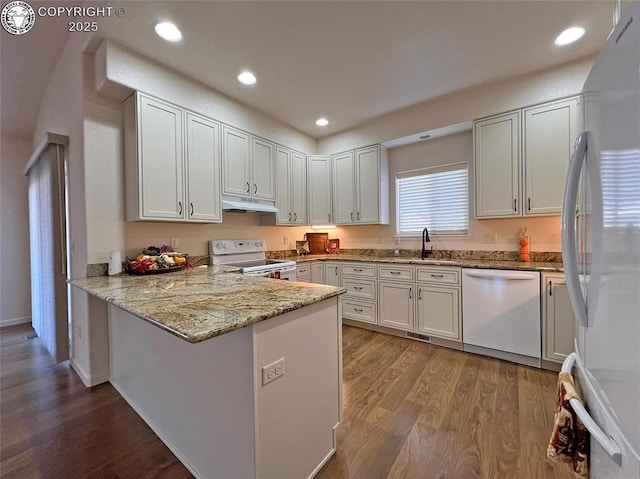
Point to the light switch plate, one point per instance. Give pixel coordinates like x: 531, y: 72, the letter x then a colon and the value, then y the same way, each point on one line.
x: 491, y: 238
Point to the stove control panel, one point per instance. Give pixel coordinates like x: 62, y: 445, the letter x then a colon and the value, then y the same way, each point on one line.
x: 222, y: 247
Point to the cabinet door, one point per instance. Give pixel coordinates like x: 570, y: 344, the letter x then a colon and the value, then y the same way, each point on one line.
x: 367, y: 176
x: 396, y: 305
x: 160, y: 158
x: 343, y: 188
x: 298, y: 188
x: 558, y: 323
x: 283, y: 159
x: 203, y: 170
x: 439, y: 311
x: 263, y: 174
x: 317, y: 273
x: 332, y: 274
x: 497, y: 165
x: 235, y: 162
x: 319, y: 188
x: 549, y: 133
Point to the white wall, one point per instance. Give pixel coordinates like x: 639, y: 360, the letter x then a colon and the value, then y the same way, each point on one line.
x: 545, y: 232
x: 15, y: 283
x: 466, y: 105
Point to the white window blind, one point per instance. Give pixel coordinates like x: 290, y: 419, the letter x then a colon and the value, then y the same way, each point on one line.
x: 436, y: 198
x: 620, y: 173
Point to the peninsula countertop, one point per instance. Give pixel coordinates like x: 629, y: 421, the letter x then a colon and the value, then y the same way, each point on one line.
x: 204, y: 302
x: 459, y: 262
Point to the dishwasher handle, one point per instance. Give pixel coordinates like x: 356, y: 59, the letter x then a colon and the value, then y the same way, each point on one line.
x: 501, y: 275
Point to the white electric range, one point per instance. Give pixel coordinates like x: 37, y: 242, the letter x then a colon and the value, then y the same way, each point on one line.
x: 250, y: 256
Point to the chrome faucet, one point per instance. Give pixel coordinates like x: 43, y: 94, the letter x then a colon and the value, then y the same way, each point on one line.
x: 425, y: 240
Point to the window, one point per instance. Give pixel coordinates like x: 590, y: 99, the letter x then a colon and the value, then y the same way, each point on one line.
x: 620, y: 173
x: 436, y: 198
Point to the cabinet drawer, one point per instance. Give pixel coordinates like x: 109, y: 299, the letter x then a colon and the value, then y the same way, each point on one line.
x: 359, y: 269
x: 402, y: 273
x: 360, y: 311
x: 360, y: 288
x: 440, y: 275
x: 303, y: 269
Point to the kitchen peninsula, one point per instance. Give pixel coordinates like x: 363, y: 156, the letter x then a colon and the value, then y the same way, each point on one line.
x: 239, y: 376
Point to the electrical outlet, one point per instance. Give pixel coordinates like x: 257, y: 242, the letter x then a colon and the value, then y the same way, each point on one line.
x: 79, y: 329
x: 174, y: 242
x: 491, y: 238
x: 285, y: 240
x: 272, y: 371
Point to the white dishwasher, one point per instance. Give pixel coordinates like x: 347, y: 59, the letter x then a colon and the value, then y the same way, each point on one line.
x: 501, y: 314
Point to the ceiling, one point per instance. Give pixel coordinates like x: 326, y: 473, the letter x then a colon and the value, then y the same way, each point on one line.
x: 347, y: 61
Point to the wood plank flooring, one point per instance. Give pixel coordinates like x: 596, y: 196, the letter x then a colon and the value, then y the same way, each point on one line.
x: 416, y: 411
x: 412, y: 410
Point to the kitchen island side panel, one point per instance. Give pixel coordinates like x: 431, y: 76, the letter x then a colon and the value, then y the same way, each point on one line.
x: 198, y: 398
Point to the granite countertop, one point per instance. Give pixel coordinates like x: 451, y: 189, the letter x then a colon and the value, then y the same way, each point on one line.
x: 459, y: 262
x: 201, y: 303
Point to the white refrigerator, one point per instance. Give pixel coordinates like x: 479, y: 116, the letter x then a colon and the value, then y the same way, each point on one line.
x: 601, y: 253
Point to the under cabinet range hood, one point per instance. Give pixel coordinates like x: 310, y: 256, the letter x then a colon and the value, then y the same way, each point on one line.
x: 244, y: 205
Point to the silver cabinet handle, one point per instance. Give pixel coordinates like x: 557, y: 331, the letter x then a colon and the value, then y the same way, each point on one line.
x: 352, y: 216
x: 295, y: 217
x: 180, y: 208
x: 550, y: 289
x: 420, y: 294
x: 395, y: 272
x: 191, y: 205
x: 529, y: 204
x: 410, y: 291
x: 359, y: 288
x: 248, y: 187
x: 358, y: 310
x: 289, y: 217
x: 329, y: 217
x: 255, y: 188
x: 358, y: 270
x: 358, y: 216
x: 437, y: 275
x: 336, y: 271
x: 515, y: 204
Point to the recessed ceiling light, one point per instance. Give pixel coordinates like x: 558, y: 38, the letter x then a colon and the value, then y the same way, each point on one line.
x: 570, y: 35
x: 247, y: 78
x: 169, y: 32
x: 322, y: 122
x: 424, y: 137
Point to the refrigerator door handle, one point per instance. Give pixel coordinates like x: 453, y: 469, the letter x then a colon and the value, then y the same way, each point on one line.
x: 606, y: 441
x: 569, y: 248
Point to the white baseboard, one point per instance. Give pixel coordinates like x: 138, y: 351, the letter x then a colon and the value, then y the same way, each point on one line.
x: 88, y: 381
x: 14, y: 321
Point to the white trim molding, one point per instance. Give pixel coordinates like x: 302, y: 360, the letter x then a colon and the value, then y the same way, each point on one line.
x: 14, y: 321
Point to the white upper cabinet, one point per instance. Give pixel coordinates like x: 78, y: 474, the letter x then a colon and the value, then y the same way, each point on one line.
x: 319, y: 186
x: 497, y: 165
x: 203, y: 169
x: 361, y: 186
x: 154, y: 163
x: 550, y: 131
x: 263, y: 182
x: 248, y: 165
x: 236, y: 158
x: 521, y: 159
x: 343, y: 188
x: 172, y: 167
x: 291, y: 200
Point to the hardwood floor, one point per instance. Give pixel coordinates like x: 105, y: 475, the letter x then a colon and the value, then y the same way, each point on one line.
x: 412, y: 410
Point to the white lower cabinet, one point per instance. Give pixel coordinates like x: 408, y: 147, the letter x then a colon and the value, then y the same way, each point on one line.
x: 438, y: 310
x: 558, y: 322
x: 396, y: 305
x: 359, y: 303
x: 360, y: 310
x: 317, y: 273
x: 303, y: 272
x: 332, y: 273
